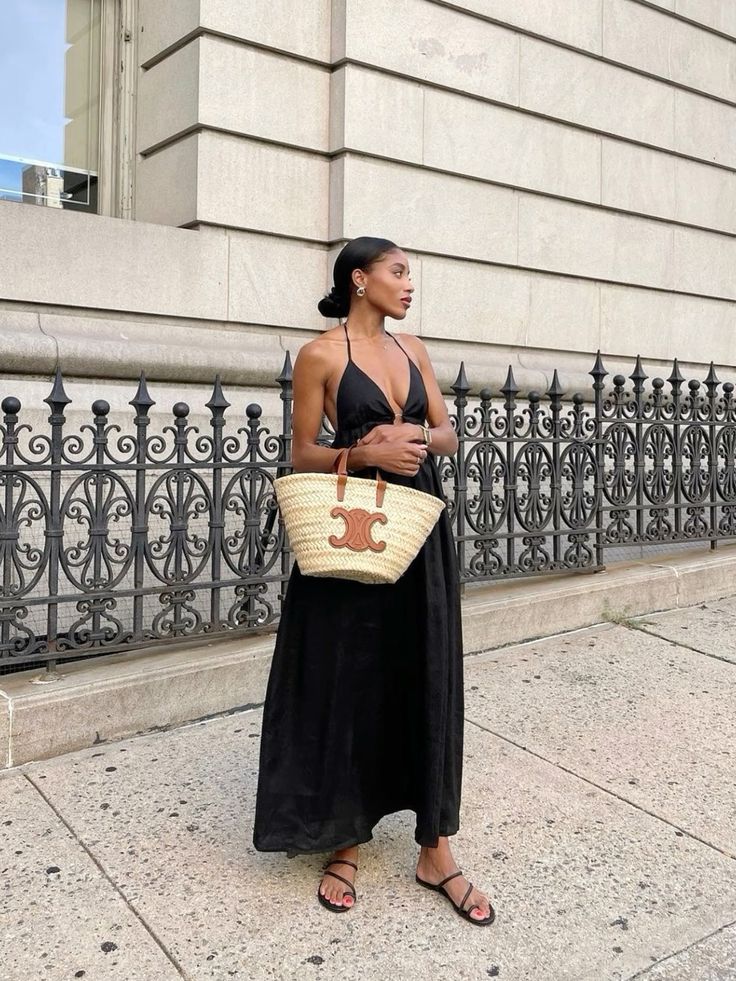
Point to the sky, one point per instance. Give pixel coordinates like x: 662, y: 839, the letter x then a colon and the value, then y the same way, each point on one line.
x: 32, y: 49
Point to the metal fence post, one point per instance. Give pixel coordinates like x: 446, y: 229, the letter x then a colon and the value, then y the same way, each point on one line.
x: 509, y: 391
x: 555, y: 393
x: 11, y: 408
x: 599, y: 375
x: 638, y: 377
x: 57, y: 401
x: 676, y: 381
x: 142, y: 403
x: 217, y: 405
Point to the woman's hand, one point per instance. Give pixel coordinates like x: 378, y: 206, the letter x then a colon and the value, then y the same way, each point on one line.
x: 396, y: 456
x: 402, y: 432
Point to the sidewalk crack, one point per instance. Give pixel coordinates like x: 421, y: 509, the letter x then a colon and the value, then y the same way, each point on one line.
x: 146, y: 926
x: 687, y: 647
x: 676, y: 953
x: 605, y: 790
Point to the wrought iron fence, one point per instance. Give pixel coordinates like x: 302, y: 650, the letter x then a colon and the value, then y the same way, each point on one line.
x: 111, y: 540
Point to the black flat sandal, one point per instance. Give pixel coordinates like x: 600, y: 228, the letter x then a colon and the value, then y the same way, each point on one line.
x: 333, y: 907
x: 460, y: 910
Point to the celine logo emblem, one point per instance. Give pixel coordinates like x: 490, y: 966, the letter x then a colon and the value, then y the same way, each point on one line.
x: 358, y: 527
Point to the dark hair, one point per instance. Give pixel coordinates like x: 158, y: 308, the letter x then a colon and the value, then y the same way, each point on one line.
x: 359, y: 253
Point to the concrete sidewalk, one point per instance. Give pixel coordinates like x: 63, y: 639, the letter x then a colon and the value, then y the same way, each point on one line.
x: 598, y: 811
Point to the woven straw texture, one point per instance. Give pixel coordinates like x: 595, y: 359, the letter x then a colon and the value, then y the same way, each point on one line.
x: 306, y: 500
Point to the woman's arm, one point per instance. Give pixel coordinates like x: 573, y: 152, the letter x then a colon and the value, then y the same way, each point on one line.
x: 311, y: 374
x: 444, y: 439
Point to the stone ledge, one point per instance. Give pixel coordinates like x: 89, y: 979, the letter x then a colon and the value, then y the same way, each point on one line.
x: 500, y: 614
x: 102, y: 346
x: 127, y: 694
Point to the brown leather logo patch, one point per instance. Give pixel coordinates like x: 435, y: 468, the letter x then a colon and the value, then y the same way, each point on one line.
x: 358, y: 528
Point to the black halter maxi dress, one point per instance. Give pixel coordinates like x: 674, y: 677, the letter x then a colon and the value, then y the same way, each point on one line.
x: 364, y: 706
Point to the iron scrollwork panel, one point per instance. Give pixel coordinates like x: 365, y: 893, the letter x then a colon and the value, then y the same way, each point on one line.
x: 111, y: 539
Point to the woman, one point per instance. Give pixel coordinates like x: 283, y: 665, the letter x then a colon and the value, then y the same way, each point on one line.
x: 364, y: 708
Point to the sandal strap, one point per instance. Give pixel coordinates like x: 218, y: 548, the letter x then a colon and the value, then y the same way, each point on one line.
x: 342, y: 861
x: 343, y: 880
x: 453, y: 876
x: 465, y: 899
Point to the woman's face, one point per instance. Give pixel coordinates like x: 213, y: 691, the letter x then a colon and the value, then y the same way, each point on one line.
x: 388, y: 285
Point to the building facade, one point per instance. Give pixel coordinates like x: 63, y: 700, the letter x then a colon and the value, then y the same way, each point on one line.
x: 561, y: 172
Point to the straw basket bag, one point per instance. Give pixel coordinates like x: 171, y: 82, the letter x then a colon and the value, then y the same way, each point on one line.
x: 353, y: 528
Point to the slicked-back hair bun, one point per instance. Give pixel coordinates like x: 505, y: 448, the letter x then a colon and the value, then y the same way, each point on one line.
x: 359, y: 253
x: 335, y: 304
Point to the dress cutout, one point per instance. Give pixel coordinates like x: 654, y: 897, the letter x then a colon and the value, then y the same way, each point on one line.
x: 364, y: 706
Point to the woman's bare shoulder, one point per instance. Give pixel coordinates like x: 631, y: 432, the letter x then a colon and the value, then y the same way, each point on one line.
x: 413, y: 344
x: 322, y: 352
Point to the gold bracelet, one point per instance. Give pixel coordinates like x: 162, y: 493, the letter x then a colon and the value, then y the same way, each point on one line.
x: 426, y: 434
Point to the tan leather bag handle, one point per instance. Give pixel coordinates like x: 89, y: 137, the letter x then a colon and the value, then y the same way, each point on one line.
x: 340, y: 467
